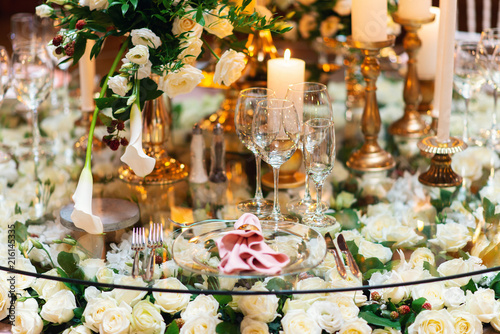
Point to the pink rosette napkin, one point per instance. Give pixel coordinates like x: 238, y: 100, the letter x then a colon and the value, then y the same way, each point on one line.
x: 244, y: 249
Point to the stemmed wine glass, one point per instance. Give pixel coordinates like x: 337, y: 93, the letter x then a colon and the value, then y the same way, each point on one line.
x: 276, y: 133
x: 4, y: 85
x: 311, y: 101
x: 467, y: 78
x: 245, y: 110
x: 319, y: 153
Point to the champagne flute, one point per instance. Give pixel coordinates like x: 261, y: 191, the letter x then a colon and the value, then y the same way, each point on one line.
x: 276, y: 133
x: 245, y: 110
x: 311, y: 100
x: 4, y: 86
x: 467, y: 79
x: 319, y: 153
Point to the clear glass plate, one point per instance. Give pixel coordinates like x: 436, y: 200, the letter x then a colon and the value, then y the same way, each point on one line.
x: 195, y: 249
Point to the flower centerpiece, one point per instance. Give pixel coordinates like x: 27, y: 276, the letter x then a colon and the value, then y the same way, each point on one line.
x: 163, y: 37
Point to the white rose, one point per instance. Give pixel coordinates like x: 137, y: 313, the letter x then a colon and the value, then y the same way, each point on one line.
x: 421, y: 255
x: 169, y: 268
x: 59, y: 308
x: 299, y: 322
x: 376, y: 227
x: 182, y: 81
x: 186, y: 25
x: 24, y: 281
x: 453, y: 267
x: 469, y: 163
x: 433, y: 322
x: 131, y: 297
x: 139, y: 55
x: 495, y: 322
x: 44, y: 11
x: 105, y: 275
x: 356, y: 326
x: 466, y: 323
x: 454, y: 297
x: 250, y: 326
x: 369, y: 249
x: 47, y: 288
x: 386, y: 330
x: 145, y: 37
x: 259, y: 307
x: 202, y: 324
x: 216, y: 25
x: 90, y: 267
x: 116, y: 320
x: 171, y: 302
x: 94, y: 311
x: 346, y: 304
x: 27, y: 320
x: 192, y: 49
x: 482, y: 304
x: 343, y: 7
x: 404, y: 236
x: 329, y: 26
x: 451, y: 236
x: 327, y: 315
x: 296, y: 304
x: 144, y: 71
x: 80, y: 329
x: 4, y: 300
x: 432, y: 292
x: 146, y: 319
x: 228, y: 69
x: 119, y: 85
x: 202, y: 304
x: 307, y: 24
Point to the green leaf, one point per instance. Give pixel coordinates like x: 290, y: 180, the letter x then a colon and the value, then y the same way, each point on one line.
x: 104, y: 102
x: 416, y: 305
x: 78, y: 312
x: 68, y: 262
x: 173, y: 328
x: 199, y: 16
x: 80, y: 44
x: 21, y: 232
x: 432, y: 269
x: 495, y: 285
x: 347, y: 218
x: 227, y: 328
x: 223, y: 299
x: 125, y: 7
x: 106, y: 120
x: 489, y: 212
x: 379, y: 321
x: 278, y: 284
x: 471, y: 286
x: 134, y: 3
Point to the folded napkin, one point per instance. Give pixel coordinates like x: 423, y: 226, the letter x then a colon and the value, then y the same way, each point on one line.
x: 244, y: 249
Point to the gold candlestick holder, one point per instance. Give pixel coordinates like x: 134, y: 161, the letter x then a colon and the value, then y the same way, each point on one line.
x: 411, y: 124
x: 440, y: 173
x: 371, y: 157
x: 427, y: 96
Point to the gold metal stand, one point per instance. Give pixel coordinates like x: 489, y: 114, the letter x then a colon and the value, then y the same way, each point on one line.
x: 371, y: 157
x: 440, y: 174
x: 411, y: 125
x: 427, y: 96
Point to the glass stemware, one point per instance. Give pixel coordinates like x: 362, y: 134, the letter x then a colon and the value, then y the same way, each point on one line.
x: 276, y: 133
x: 319, y: 154
x: 4, y: 85
x: 245, y: 110
x: 311, y: 101
x: 467, y: 80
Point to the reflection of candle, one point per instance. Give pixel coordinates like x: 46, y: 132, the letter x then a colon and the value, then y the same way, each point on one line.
x: 86, y: 68
x: 444, y: 76
x: 282, y: 72
x: 369, y: 20
x: 427, y: 55
x: 414, y: 9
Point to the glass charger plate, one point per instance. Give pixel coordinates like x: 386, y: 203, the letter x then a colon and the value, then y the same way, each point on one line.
x: 195, y: 249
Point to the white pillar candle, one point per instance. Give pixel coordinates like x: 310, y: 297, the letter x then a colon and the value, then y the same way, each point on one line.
x: 414, y: 9
x: 369, y: 20
x: 445, y: 67
x: 86, y: 68
x: 427, y: 55
x: 282, y: 72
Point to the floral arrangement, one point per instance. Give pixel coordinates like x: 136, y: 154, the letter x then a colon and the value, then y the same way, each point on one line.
x: 162, y: 37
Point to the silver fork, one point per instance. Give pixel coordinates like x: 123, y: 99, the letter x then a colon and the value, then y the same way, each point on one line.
x: 138, y: 245
x: 155, y: 240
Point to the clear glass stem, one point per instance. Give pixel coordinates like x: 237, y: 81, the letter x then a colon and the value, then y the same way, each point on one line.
x: 465, y: 135
x: 258, y: 186
x: 319, y: 194
x: 36, y: 139
x: 307, y: 195
x: 276, y: 207
x: 66, y: 91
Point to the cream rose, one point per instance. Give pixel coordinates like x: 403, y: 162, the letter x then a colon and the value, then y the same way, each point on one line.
x: 495, y: 322
x: 433, y: 322
x: 482, y: 304
x: 250, y: 326
x: 44, y: 11
x: 47, y: 288
x: 454, y: 297
x: 116, y: 320
x: 299, y: 322
x: 404, y: 236
x: 259, y: 307
x: 144, y: 71
x: 216, y: 25
x: 296, y: 304
x: 386, y: 330
x: 90, y: 267
x: 77, y: 330
x: 355, y: 326
x: 105, y: 275
x: 327, y: 315
x: 466, y: 323
x: 95, y: 4
x: 186, y: 25
x: 58, y: 2
x: 182, y: 81
x: 346, y: 304
x: 432, y: 292
x: 24, y: 281
x: 228, y: 69
x: 376, y: 227
x: 451, y: 236
x: 59, y: 308
x: 94, y: 311
x: 146, y: 319
x: 119, y: 85
x: 343, y: 7
x: 131, y: 297
x: 202, y: 324
x: 307, y: 24
x: 329, y: 26
x: 192, y: 48
x: 369, y: 249
x: 421, y: 255
x: 202, y: 304
x: 146, y: 37
x: 171, y: 302
x: 4, y: 300
x: 395, y: 294
x: 139, y: 55
x: 453, y: 267
x: 27, y: 320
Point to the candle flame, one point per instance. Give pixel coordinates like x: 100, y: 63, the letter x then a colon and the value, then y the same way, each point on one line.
x: 287, y: 54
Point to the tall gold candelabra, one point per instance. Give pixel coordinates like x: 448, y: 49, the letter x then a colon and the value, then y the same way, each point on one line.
x: 411, y: 124
x: 371, y: 157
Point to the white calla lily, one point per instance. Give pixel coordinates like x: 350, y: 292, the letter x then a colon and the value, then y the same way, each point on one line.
x: 82, y: 213
x: 134, y: 155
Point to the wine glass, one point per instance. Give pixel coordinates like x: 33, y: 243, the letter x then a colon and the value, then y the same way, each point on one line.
x: 4, y: 86
x: 311, y: 101
x: 467, y: 79
x: 245, y: 110
x: 319, y: 154
x: 276, y: 133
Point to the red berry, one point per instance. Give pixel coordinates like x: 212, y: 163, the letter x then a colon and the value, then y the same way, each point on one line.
x: 124, y: 141
x: 114, y: 144
x: 427, y: 306
x: 404, y: 309
x: 69, y: 51
x: 80, y: 24
x: 56, y: 41
x: 121, y: 125
x: 114, y: 123
x: 110, y: 129
x: 375, y: 296
x: 59, y: 50
x: 106, y: 139
x: 158, y: 259
x: 394, y: 315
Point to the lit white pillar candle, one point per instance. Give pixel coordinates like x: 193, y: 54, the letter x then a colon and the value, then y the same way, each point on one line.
x: 282, y: 72
x: 369, y: 20
x: 427, y: 55
x: 86, y: 68
x: 414, y: 9
x: 445, y: 67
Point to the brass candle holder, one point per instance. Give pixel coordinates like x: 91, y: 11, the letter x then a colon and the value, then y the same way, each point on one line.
x: 411, y: 124
x: 371, y: 157
x: 427, y: 96
x: 440, y: 173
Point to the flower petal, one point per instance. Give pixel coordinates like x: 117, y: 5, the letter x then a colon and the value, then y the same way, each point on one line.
x: 82, y: 213
x: 134, y: 155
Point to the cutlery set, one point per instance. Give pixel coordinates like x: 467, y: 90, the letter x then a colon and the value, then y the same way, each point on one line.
x: 350, y: 262
x: 139, y: 244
